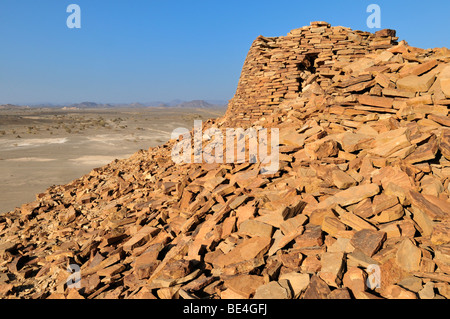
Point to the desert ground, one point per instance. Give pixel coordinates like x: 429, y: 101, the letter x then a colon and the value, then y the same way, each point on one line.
x: 44, y: 147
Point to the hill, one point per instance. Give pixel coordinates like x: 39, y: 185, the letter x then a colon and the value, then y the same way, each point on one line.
x: 359, y: 207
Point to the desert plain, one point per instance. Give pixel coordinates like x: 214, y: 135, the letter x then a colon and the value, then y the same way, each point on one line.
x: 41, y: 147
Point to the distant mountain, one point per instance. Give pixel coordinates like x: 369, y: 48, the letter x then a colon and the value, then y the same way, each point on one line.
x: 197, y: 104
x: 93, y: 105
x: 12, y: 106
x: 189, y: 104
x: 90, y: 105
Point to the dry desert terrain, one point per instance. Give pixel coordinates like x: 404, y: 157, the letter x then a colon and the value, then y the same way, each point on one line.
x: 44, y: 147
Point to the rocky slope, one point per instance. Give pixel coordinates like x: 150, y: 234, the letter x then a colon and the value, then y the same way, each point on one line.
x: 358, y: 209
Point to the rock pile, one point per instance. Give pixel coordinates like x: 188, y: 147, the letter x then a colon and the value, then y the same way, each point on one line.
x: 358, y: 209
x: 280, y: 68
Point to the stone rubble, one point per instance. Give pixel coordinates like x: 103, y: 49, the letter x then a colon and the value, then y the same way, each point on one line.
x: 364, y: 183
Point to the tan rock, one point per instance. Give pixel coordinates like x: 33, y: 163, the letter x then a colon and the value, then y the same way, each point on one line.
x: 298, y: 282
x: 352, y: 142
x: 376, y: 101
x: 293, y: 224
x: 424, y: 152
x: 419, y: 202
x: 411, y: 283
x: 244, y: 285
x: 311, y: 237
x: 355, y: 279
x: 387, y: 145
x: 146, y: 263
x: 248, y: 249
x: 441, y: 233
x: 342, y: 180
x: 351, y: 196
x: 317, y: 289
x: 140, y: 237
x: 414, y: 83
x: 333, y: 226
x: 340, y: 293
x: 394, y: 213
x: 289, y: 136
x: 341, y: 245
x: 332, y: 268
x: 397, y: 292
x: 322, y: 149
x: 253, y: 227
x: 424, y: 67
x: 409, y: 256
x: 383, y: 202
x: 272, y: 290
x: 428, y: 291
x: 368, y: 241
x: 444, y: 144
x: 284, y: 240
x: 444, y: 79
x: 355, y: 222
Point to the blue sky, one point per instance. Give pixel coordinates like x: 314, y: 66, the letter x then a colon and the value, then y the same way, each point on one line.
x: 139, y: 51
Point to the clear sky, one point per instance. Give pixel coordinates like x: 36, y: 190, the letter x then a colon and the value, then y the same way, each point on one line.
x: 140, y: 51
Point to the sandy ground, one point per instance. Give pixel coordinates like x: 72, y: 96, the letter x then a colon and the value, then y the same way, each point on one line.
x: 44, y: 147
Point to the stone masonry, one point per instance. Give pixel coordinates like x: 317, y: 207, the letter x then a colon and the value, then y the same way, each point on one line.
x: 278, y: 68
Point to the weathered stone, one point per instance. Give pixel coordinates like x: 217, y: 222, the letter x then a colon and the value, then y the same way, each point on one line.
x: 340, y: 293
x: 298, y: 282
x: 444, y: 79
x: 249, y: 249
x: 332, y: 268
x: 244, y: 285
x: 409, y: 256
x: 341, y: 245
x: 283, y: 240
x: 397, y: 292
x: 424, y: 152
x: 428, y: 291
x: 356, y: 122
x: 394, y: 213
x: 333, y: 226
x: 355, y: 280
x: 441, y: 233
x: 351, y: 195
x: 255, y: 228
x: 368, y: 241
x: 444, y: 144
x: 419, y: 202
x: 386, y: 145
x: 322, y: 149
x: 311, y: 237
x: 317, y: 289
x: 376, y: 101
x: 414, y: 83
x: 412, y: 283
x: 140, y: 237
x: 272, y: 290
x: 352, y: 142
x: 342, y: 180
x: 383, y: 202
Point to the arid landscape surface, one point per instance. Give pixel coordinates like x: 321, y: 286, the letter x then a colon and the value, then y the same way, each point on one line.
x: 53, y: 146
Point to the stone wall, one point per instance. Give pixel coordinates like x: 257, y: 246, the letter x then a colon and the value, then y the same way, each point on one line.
x: 278, y: 68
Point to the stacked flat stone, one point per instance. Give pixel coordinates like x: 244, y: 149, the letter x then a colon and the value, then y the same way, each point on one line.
x: 278, y: 68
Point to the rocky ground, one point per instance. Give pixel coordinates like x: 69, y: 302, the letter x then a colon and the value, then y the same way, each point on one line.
x: 358, y: 209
